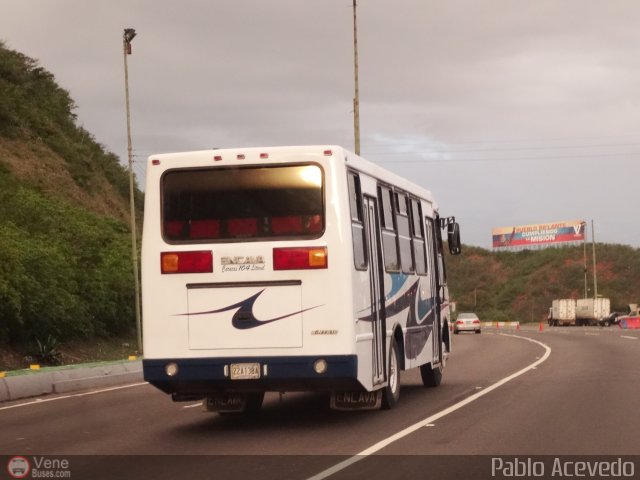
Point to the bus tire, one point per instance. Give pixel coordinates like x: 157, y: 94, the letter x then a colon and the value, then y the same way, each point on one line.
x: 431, y: 377
x: 391, y: 393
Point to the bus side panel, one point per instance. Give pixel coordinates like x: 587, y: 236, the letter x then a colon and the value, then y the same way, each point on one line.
x: 431, y: 290
x: 420, y: 325
x: 410, y: 304
x: 409, y: 307
x: 362, y: 313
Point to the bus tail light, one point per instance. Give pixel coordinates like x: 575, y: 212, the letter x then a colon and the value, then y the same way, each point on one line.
x: 303, y: 258
x: 187, y: 262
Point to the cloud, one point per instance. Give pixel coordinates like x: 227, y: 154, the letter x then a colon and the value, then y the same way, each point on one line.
x: 511, y: 112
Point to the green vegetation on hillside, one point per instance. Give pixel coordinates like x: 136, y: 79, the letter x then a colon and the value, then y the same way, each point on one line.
x: 65, y: 258
x: 519, y: 286
x: 63, y: 271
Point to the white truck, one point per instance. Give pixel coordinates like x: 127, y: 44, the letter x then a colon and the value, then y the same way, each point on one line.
x: 562, y: 312
x: 592, y: 311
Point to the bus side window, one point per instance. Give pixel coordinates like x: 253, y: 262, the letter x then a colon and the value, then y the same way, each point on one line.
x: 442, y: 272
x: 430, y: 248
x: 389, y: 232
x: 417, y: 238
x: 434, y: 242
x: 357, y: 224
x: 404, y: 235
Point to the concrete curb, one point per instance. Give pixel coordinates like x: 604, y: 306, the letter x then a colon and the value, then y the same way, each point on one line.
x: 70, y: 379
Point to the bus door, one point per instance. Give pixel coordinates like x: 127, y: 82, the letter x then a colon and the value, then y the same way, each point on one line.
x: 376, y: 286
x: 433, y: 256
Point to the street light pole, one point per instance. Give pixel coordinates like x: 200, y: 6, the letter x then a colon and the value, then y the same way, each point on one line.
x: 595, y: 274
x: 584, y: 245
x: 356, y: 99
x: 129, y: 34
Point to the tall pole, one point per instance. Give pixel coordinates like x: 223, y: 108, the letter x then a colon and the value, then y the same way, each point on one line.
x: 584, y: 245
x: 356, y: 99
x: 129, y: 33
x: 595, y: 276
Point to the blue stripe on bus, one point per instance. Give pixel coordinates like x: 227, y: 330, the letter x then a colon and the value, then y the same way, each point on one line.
x: 201, y: 375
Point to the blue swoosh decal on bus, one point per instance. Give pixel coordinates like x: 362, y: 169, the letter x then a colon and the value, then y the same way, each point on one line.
x: 244, y: 318
x: 397, y: 282
x: 420, y: 316
x: 425, y: 307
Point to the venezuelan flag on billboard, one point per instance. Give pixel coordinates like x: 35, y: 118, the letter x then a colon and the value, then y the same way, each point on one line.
x: 541, y: 234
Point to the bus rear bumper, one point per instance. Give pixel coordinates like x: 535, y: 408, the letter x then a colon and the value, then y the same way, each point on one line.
x: 197, y: 377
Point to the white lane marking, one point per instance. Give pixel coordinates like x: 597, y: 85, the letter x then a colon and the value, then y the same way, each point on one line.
x: 199, y: 404
x: 630, y: 338
x: 43, y: 400
x: 427, y: 421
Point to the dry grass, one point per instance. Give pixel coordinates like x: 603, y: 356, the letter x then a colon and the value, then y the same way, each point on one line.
x: 71, y: 353
x: 36, y: 164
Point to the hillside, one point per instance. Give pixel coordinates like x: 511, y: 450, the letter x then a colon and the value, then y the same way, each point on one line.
x: 45, y: 149
x: 65, y: 260
x: 521, y: 285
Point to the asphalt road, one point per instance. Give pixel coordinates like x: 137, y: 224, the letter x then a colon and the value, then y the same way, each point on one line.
x: 581, y: 398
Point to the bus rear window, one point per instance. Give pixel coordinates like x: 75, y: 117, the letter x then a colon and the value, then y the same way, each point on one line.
x: 248, y: 203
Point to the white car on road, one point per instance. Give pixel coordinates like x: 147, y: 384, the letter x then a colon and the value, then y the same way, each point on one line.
x: 467, y: 322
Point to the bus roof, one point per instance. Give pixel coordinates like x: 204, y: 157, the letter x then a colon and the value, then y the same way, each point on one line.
x: 251, y: 155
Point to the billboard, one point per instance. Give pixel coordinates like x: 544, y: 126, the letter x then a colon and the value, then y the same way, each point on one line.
x: 538, y: 235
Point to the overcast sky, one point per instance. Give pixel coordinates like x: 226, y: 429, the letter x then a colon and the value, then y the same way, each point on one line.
x: 510, y: 112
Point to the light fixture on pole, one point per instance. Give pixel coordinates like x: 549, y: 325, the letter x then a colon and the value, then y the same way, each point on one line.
x: 129, y: 34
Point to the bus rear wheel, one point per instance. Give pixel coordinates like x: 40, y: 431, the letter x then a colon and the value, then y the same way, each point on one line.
x: 431, y: 377
x: 391, y: 393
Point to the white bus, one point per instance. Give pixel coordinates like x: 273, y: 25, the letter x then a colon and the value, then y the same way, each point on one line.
x: 290, y: 269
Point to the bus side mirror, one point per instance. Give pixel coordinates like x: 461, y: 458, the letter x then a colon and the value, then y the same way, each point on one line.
x: 453, y: 238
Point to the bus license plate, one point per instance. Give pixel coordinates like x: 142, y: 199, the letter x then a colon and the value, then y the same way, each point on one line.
x: 245, y: 371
